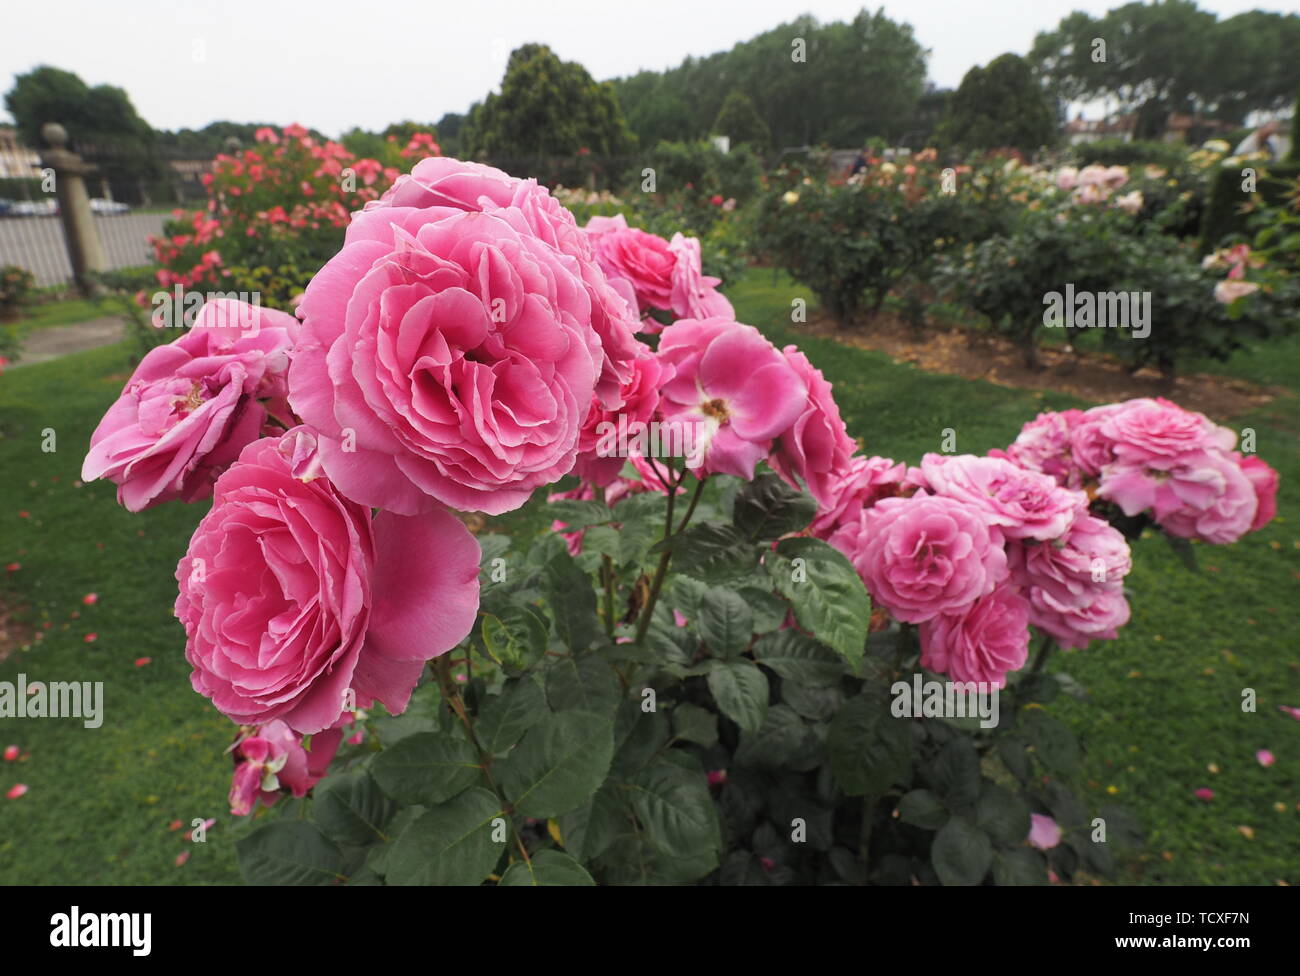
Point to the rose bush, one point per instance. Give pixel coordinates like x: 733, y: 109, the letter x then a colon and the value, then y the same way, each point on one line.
x: 713, y: 668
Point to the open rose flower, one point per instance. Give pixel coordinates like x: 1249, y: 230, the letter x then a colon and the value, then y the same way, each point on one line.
x: 1091, y: 557
x: 850, y: 491
x: 446, y: 357
x: 291, y: 595
x: 981, y: 642
x: 610, y: 437
x: 1045, y: 444
x: 731, y: 390
x: 1155, y: 428
x: 1073, y: 625
x: 192, y: 405
x: 1024, y: 504
x: 817, y: 446
x: 1201, y: 494
x: 1264, y: 480
x: 272, y: 758
x: 441, y: 181
x: 927, y: 555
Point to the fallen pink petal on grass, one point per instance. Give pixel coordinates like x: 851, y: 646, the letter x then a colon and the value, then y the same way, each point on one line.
x: 11, y: 753
x: 90, y: 599
x: 92, y: 637
x: 1291, y: 710
x: 17, y: 790
x: 174, y: 825
x: 142, y: 661
x: 1265, y: 757
x: 1205, y: 794
x: 182, y: 857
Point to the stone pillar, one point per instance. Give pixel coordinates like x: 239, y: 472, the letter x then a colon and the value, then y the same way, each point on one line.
x: 85, y: 250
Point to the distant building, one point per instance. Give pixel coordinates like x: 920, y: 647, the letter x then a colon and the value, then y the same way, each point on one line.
x: 17, y: 162
x: 1081, y: 130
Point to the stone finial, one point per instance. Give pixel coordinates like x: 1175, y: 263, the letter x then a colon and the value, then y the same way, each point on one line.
x: 55, y: 135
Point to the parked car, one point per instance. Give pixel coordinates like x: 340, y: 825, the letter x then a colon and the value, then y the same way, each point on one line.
x: 5, y: 207
x: 108, y: 207
x: 35, y: 208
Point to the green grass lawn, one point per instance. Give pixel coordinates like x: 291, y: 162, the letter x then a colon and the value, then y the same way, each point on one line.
x: 1164, y: 699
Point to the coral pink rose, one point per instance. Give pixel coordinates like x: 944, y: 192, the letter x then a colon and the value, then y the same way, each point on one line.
x: 817, y: 446
x: 291, y: 595
x: 192, y: 405
x: 272, y: 758
x: 927, y: 555
x: 445, y: 182
x: 445, y: 357
x: 731, y: 390
x: 981, y: 642
x: 1264, y: 480
x: 1023, y: 503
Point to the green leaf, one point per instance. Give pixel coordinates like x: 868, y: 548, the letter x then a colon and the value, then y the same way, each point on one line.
x: 713, y: 552
x: 505, y: 717
x: 1002, y: 815
x: 826, y: 593
x: 783, y: 742
x: 955, y: 775
x: 638, y: 737
x: 869, y: 748
x: 641, y: 524
x: 585, y: 683
x: 428, y: 768
x: 572, y: 602
x: 450, y: 844
x: 351, y: 808
x: 961, y: 853
x: 514, y: 636
x: 741, y: 691
x: 769, y: 609
x: 726, y: 622
x: 577, y: 514
x: 921, y: 808
x: 289, y: 852
x: 695, y: 724
x: 1012, y: 752
x: 1054, y: 743
x: 558, y: 764
x: 674, y: 806
x: 547, y: 868
x: 798, y: 657
x: 1019, y: 866
x: 587, y: 831
x: 767, y: 508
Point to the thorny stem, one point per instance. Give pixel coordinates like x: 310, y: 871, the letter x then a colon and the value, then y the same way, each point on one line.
x: 607, y: 571
x: 442, y: 670
x: 662, y: 570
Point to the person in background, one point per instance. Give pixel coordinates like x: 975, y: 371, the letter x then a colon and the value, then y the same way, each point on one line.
x: 1261, y: 140
x: 861, y: 162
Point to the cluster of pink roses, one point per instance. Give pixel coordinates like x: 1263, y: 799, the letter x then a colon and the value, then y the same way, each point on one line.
x: 1236, y: 260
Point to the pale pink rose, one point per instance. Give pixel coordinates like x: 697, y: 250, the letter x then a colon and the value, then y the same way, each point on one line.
x: 1116, y: 176
x: 291, y: 595
x: 445, y: 357
x: 1067, y: 178
x: 1264, y: 480
x: 272, y: 758
x: 602, y: 450
x: 980, y: 642
x: 927, y: 555
x: 1265, y: 758
x: 1130, y: 203
x: 694, y: 294
x: 192, y: 405
x: 1043, y: 832
x: 1091, y: 557
x: 732, y: 388
x: 1089, y: 193
x: 441, y: 181
x: 1228, y: 291
x: 1074, y: 626
x: 1201, y: 494
x: 1023, y: 504
x: 816, y: 447
x: 1147, y: 428
x: 1093, y: 175
x: 851, y: 490
x: 1044, y: 444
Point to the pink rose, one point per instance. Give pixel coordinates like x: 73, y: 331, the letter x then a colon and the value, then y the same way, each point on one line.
x: 272, y: 758
x: 441, y: 181
x: 1044, y: 444
x: 981, y: 642
x: 851, y: 490
x: 927, y: 555
x: 1090, y: 558
x: 291, y: 595
x: 1146, y: 428
x: 1264, y: 480
x: 192, y: 405
x: 599, y: 447
x: 731, y: 390
x: 694, y: 294
x: 446, y: 357
x: 1090, y: 446
x: 1024, y: 504
x: 817, y: 446
x: 1227, y: 292
x: 1043, y: 832
x: 1202, y: 494
x: 1075, y: 626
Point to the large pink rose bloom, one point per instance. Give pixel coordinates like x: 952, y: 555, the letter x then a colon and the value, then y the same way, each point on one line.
x: 1024, y: 504
x: 1091, y: 448
x: 1076, y: 626
x: 291, y: 595
x: 851, y: 490
x: 601, y: 456
x: 192, y: 405
x: 1044, y: 445
x: 927, y: 555
x: 1264, y: 480
x: 1202, y: 494
x: 1146, y: 429
x: 731, y: 390
x: 441, y: 181
x: 817, y: 446
x: 981, y: 642
x: 446, y: 358
x: 272, y: 758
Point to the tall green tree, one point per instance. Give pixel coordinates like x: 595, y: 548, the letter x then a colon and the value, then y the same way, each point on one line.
x: 546, y: 107
x: 740, y: 122
x: 999, y: 105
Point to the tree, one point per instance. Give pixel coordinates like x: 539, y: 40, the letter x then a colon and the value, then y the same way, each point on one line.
x: 546, y: 108
x: 998, y: 105
x: 740, y: 122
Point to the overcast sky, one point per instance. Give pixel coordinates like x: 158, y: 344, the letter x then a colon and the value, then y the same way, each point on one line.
x: 332, y: 64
